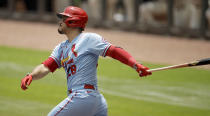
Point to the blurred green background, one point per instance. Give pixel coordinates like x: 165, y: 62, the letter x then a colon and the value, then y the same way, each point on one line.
x: 179, y: 92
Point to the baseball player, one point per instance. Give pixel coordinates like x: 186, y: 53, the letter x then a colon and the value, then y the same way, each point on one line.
x: 78, y: 55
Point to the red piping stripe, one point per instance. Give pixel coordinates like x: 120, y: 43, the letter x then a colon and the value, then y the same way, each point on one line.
x: 104, y: 52
x: 65, y: 105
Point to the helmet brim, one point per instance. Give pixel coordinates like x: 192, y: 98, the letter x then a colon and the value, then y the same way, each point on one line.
x: 60, y: 15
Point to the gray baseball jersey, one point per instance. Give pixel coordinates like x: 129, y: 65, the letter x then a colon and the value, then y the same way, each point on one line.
x: 79, y: 58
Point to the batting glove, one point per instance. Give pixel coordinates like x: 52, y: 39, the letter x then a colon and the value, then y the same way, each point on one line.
x: 142, y: 70
x: 26, y: 81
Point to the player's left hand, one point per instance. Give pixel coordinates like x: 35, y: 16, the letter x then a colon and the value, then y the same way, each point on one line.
x: 26, y: 81
x: 142, y: 70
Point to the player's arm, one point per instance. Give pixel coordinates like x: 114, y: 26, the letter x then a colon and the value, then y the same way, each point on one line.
x: 124, y: 57
x: 39, y: 72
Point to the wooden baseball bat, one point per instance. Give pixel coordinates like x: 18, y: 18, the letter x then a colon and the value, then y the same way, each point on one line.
x: 190, y: 64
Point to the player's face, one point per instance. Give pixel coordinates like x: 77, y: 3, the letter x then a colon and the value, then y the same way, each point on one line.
x: 62, y: 25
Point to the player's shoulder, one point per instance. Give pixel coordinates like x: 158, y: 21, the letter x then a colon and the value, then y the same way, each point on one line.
x: 90, y: 35
x: 62, y: 44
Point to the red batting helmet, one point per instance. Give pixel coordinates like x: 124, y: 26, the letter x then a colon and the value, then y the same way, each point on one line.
x: 77, y: 17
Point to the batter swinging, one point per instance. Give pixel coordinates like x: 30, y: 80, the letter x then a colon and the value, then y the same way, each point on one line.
x: 78, y: 55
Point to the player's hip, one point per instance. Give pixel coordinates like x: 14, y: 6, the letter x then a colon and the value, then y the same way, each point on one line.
x: 82, y: 102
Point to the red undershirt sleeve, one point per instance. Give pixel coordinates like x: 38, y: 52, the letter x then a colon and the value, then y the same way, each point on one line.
x: 51, y: 64
x: 121, y: 55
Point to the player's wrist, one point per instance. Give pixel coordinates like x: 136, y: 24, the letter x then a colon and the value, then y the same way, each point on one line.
x: 137, y: 66
x: 142, y: 70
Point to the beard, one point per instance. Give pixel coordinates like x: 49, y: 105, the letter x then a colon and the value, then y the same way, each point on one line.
x: 60, y: 31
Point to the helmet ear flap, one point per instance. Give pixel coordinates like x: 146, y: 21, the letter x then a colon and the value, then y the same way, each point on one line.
x: 72, y: 22
x: 68, y: 22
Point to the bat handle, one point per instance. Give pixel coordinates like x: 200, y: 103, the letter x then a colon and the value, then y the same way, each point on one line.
x: 157, y: 69
x: 169, y: 67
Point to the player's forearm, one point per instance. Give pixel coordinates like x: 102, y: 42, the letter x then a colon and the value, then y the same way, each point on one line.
x: 121, y: 55
x: 39, y: 72
x: 124, y: 57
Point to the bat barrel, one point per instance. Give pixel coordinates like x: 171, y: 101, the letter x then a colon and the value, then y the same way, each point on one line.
x: 201, y: 62
x: 169, y: 67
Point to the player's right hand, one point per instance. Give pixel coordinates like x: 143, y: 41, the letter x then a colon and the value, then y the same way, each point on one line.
x: 26, y: 81
x: 142, y: 70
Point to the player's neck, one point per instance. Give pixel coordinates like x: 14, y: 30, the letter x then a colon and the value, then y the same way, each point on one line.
x: 71, y: 35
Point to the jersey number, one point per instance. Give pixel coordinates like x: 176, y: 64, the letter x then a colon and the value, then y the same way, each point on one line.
x: 73, y: 70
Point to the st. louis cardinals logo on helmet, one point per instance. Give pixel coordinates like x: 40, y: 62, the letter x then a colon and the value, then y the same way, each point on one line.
x: 77, y: 17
